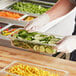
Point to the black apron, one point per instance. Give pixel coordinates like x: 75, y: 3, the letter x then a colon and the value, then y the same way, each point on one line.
x: 73, y: 54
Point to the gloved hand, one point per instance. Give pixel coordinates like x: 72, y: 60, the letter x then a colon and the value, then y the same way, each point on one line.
x: 37, y: 23
x: 67, y: 45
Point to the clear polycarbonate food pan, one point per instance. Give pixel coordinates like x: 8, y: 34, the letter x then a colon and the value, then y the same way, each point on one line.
x: 34, y: 45
x: 55, y: 71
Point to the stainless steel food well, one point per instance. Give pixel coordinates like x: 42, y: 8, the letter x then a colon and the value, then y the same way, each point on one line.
x: 5, y: 4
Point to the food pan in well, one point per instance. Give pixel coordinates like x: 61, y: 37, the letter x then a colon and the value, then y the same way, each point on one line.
x: 10, y: 15
x: 34, y: 41
x: 31, y: 7
x: 30, y: 69
x: 29, y: 18
x: 9, y: 30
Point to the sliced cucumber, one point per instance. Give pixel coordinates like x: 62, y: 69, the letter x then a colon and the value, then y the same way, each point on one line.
x: 36, y: 48
x: 54, y: 51
x: 49, y: 50
x: 42, y: 49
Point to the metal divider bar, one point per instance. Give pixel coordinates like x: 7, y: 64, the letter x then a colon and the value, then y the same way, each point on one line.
x: 23, y: 17
x: 6, y: 27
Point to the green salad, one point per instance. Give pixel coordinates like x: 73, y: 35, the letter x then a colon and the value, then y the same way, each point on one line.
x: 35, y: 41
x: 29, y: 7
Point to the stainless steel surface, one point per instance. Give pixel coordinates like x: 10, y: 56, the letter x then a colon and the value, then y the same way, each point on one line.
x: 43, y: 3
x: 8, y: 3
x: 5, y: 3
x: 18, y: 21
x: 38, y: 1
x: 7, y: 26
x: 10, y: 21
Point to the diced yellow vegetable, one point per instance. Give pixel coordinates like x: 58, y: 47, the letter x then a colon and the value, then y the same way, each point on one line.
x: 26, y: 70
x: 30, y: 18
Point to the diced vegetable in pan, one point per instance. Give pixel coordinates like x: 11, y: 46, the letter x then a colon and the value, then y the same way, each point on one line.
x: 7, y: 32
x: 29, y: 18
x: 29, y: 7
x: 35, y: 41
x: 27, y: 70
x: 10, y: 15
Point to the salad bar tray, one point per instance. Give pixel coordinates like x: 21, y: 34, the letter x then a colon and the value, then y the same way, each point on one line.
x: 25, y: 8
x: 13, y: 19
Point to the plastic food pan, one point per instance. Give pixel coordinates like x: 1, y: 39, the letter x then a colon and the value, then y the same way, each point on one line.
x: 40, y: 67
x: 33, y: 46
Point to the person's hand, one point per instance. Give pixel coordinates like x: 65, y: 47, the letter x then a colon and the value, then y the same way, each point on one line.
x: 67, y: 45
x: 37, y: 23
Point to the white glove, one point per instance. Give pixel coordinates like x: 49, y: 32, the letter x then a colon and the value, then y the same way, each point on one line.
x: 37, y: 23
x: 67, y: 45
